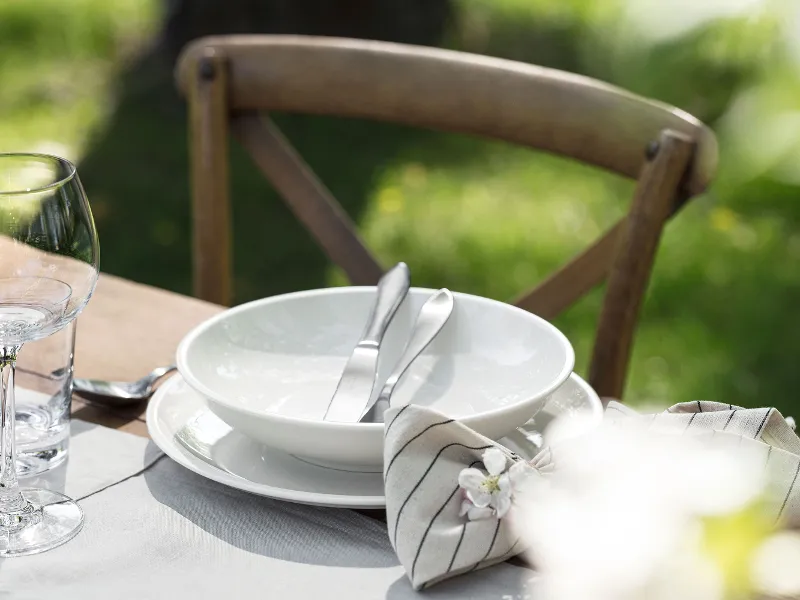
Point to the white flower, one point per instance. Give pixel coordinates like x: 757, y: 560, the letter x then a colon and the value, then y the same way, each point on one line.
x: 642, y: 515
x: 489, y: 495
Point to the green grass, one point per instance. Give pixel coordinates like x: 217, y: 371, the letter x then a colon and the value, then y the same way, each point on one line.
x: 58, y: 64
x: 721, y: 319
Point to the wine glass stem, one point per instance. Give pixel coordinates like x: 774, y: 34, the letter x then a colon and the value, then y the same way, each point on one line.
x: 10, y: 498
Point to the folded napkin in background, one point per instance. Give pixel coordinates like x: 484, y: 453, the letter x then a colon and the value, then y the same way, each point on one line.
x: 755, y: 433
x: 424, y: 453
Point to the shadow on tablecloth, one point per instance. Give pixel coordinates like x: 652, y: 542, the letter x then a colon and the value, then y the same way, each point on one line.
x: 498, y: 581
x: 272, y: 528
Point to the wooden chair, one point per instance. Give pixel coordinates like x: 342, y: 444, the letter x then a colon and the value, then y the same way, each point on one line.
x: 229, y: 81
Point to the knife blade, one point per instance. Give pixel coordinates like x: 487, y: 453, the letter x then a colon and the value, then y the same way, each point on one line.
x: 358, y: 378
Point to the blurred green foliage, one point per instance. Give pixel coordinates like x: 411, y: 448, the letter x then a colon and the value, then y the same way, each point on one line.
x: 722, y: 318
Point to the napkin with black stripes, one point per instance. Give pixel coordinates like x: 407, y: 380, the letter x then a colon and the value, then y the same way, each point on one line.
x: 424, y: 452
x: 759, y: 433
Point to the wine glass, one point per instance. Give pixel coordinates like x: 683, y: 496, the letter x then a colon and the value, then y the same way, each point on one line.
x: 48, y: 270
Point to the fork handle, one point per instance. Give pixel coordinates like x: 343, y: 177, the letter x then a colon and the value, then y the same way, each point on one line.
x: 430, y: 320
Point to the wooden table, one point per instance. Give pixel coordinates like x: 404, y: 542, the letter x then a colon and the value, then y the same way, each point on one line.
x: 126, y: 330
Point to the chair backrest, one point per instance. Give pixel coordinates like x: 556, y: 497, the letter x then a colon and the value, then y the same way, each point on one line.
x: 229, y: 81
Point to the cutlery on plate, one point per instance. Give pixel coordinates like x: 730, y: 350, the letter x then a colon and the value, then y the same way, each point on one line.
x: 120, y: 393
x: 199, y: 435
x: 355, y: 387
x: 430, y: 320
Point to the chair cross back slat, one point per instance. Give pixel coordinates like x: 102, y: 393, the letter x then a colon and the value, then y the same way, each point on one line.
x: 230, y: 80
x: 307, y: 197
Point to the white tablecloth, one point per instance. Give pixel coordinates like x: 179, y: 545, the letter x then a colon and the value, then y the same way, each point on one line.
x: 156, y: 530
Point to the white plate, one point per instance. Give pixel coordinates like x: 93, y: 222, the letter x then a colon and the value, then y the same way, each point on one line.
x: 269, y: 368
x: 268, y: 472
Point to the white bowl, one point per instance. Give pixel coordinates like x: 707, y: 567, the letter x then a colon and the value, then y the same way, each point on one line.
x: 269, y: 369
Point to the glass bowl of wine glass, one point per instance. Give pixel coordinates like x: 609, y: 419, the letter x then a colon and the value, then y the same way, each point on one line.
x: 48, y: 270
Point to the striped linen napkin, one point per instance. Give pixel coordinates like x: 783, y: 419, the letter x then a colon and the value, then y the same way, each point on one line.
x: 424, y: 453
x: 754, y: 433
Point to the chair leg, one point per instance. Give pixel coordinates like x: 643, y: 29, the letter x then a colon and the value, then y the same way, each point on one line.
x: 211, y: 212
x: 658, y: 188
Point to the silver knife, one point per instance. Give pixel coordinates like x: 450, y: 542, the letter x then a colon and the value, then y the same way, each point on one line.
x: 355, y: 387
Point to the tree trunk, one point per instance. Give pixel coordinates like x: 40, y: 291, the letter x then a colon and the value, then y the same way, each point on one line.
x: 410, y: 21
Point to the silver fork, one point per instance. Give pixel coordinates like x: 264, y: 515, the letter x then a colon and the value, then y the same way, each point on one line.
x: 120, y: 393
x: 431, y: 318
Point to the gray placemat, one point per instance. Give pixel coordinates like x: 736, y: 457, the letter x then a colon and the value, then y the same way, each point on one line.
x: 156, y: 530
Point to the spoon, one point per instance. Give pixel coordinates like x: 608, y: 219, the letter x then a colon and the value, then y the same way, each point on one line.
x: 430, y: 320
x: 120, y: 393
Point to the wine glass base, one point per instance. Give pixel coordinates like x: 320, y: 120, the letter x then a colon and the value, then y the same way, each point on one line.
x: 57, y: 520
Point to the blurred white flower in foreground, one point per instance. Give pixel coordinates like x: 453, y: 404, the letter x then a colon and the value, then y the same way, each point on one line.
x: 776, y: 566
x: 629, y: 513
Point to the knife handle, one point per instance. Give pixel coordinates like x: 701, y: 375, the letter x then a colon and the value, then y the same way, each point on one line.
x: 392, y: 288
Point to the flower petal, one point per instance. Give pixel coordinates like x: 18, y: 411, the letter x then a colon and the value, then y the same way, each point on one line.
x: 466, y: 506
x: 479, y: 498
x: 494, y: 461
x: 502, y: 502
x: 470, y: 479
x: 518, y: 473
x: 476, y: 513
x: 504, y: 483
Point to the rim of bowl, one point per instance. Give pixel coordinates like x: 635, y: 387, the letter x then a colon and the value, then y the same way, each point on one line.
x: 208, y: 393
